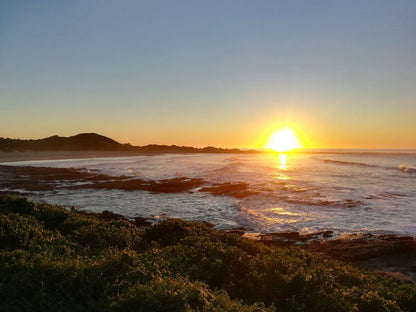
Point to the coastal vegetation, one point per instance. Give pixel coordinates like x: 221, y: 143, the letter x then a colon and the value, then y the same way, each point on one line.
x: 52, y: 259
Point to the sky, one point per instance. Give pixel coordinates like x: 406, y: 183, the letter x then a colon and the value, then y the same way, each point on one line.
x: 221, y: 72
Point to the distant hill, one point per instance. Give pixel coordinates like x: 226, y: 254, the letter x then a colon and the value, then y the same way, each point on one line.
x: 83, y: 141
x: 93, y: 141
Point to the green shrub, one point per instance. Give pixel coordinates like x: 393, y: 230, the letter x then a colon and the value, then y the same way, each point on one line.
x: 18, y: 231
x: 52, y: 259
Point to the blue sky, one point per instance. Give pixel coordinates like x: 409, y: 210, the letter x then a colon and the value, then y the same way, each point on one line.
x: 222, y: 73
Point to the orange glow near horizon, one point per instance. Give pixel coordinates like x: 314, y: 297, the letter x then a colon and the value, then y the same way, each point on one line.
x: 283, y: 140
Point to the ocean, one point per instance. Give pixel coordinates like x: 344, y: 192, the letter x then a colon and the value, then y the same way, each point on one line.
x: 344, y: 191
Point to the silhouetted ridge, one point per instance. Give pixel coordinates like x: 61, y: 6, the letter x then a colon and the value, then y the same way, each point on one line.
x: 83, y: 141
x: 94, y: 141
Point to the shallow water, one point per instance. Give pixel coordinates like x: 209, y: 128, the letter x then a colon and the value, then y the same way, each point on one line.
x: 347, y: 191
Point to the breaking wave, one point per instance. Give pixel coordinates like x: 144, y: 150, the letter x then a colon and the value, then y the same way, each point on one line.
x: 343, y: 193
x: 406, y: 168
x: 341, y: 162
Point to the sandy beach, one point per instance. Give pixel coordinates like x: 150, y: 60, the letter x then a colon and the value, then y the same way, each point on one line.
x: 54, y: 155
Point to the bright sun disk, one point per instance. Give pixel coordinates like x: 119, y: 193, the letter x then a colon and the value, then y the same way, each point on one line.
x: 283, y: 140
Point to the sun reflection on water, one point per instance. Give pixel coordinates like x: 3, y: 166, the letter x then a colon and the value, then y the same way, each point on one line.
x: 283, y: 161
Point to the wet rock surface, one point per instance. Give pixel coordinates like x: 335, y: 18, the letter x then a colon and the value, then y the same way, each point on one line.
x: 295, y: 238
x: 401, y: 266
x: 46, y: 179
x: 31, y: 179
x: 176, y: 185
x: 357, y: 247
x: 237, y: 190
x: 140, y: 221
x: 393, y: 255
x: 111, y: 216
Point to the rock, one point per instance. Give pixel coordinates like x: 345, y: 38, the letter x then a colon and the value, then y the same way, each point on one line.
x: 235, y: 231
x: 404, y: 263
x: 282, y: 238
x: 252, y: 236
x: 363, y: 246
x: 398, y: 276
x: 174, y: 185
x: 50, y: 179
x: 394, y: 255
x: 139, y: 222
x: 237, y: 190
x: 209, y: 224
x: 295, y: 238
x: 108, y: 216
x: 327, y: 234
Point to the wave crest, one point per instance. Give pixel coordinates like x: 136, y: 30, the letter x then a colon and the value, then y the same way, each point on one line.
x: 341, y: 162
x: 406, y: 168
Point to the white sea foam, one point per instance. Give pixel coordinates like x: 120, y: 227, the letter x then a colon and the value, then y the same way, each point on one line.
x: 407, y: 168
x: 345, y: 192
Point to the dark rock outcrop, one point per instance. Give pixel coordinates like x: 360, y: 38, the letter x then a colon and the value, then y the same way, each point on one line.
x: 237, y: 190
x: 394, y: 255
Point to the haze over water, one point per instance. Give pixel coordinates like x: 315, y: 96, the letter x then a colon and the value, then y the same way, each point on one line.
x: 347, y: 191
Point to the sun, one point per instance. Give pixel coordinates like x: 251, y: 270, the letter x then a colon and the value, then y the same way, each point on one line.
x: 283, y: 140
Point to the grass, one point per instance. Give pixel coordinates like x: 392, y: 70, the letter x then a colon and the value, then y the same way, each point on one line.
x: 52, y: 259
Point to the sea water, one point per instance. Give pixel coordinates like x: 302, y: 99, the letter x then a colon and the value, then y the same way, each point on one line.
x: 344, y: 190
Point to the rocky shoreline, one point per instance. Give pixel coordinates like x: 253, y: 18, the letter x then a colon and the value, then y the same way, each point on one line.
x: 393, y: 254
x: 47, y: 179
x: 389, y: 254
x: 56, y: 258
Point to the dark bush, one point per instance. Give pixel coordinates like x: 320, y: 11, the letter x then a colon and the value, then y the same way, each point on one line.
x: 55, y: 260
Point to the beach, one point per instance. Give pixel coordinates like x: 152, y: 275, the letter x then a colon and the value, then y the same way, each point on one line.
x: 13, y: 156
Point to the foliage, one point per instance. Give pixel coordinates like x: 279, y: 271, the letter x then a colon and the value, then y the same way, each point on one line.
x: 52, y: 259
